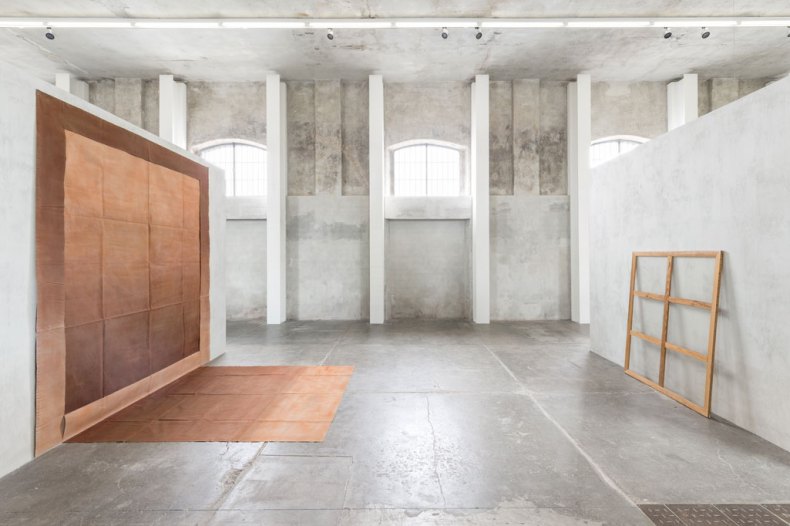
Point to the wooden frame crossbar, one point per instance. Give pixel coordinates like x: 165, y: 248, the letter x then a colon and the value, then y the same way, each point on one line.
x: 667, y: 299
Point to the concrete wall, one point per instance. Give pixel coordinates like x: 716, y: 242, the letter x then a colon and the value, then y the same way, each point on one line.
x: 528, y: 137
x: 17, y: 268
x: 327, y: 258
x: 428, y: 272
x: 530, y: 254
x: 134, y: 100
x: 245, y: 269
x: 718, y: 92
x: 427, y: 262
x: 17, y: 259
x: 328, y: 157
x: 226, y: 110
x: 720, y: 182
x: 629, y: 108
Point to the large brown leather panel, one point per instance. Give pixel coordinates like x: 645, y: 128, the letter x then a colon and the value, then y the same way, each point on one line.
x: 114, y: 214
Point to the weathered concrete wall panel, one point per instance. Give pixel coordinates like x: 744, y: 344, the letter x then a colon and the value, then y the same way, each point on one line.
x: 526, y: 134
x: 428, y: 270
x: 629, y: 108
x: 553, y: 140
x: 717, y: 92
x: 328, y: 137
x: 355, y: 138
x: 436, y: 111
x: 129, y: 100
x: 226, y: 110
x: 501, y: 114
x: 327, y: 258
x: 245, y: 269
x: 151, y: 106
x: 301, y: 137
x: 530, y: 259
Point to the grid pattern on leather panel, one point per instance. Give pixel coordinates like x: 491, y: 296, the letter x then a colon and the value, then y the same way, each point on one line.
x: 132, y: 268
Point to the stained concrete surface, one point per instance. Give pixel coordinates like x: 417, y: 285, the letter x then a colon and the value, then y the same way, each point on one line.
x: 629, y: 108
x: 404, y: 54
x: 428, y: 269
x: 226, y: 110
x: 245, y: 269
x: 444, y: 423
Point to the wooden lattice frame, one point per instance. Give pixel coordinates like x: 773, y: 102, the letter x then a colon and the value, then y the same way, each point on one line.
x: 667, y: 299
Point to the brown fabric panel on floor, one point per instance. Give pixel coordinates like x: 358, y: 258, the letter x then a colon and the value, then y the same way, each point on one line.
x: 233, y: 404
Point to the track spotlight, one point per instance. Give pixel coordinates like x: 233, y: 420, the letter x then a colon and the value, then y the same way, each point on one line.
x: 50, y: 34
x: 788, y: 31
x: 705, y: 32
x: 667, y: 32
x: 445, y: 33
x: 478, y: 33
x: 330, y: 34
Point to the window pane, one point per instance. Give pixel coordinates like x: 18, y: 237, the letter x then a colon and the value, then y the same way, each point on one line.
x: 604, y: 151
x: 426, y: 170
x: 250, y: 170
x: 222, y: 157
x: 444, y: 171
x: 409, y: 170
x: 244, y: 166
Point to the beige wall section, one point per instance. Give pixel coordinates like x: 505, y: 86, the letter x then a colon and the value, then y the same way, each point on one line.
x: 528, y: 138
x: 718, y: 92
x: 629, y: 108
x: 226, y: 110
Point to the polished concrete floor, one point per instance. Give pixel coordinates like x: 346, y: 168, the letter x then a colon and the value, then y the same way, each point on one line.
x: 443, y: 423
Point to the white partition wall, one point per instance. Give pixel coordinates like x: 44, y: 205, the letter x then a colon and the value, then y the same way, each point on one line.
x: 682, y: 101
x: 481, y: 280
x: 276, y: 190
x: 718, y: 183
x: 579, y: 138
x: 376, y: 156
x: 173, y: 110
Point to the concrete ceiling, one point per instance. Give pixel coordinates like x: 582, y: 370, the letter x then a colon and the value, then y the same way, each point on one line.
x: 398, y: 54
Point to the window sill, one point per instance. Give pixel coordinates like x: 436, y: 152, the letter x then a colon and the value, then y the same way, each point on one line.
x: 420, y: 208
x: 237, y: 208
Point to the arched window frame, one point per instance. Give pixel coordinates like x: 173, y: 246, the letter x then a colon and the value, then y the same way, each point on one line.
x: 463, y: 167
x: 202, y: 147
x: 618, y: 139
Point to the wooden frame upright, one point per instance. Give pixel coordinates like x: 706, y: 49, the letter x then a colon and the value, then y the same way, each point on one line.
x: 667, y: 299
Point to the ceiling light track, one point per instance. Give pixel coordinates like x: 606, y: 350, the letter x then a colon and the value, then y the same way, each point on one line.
x: 393, y: 23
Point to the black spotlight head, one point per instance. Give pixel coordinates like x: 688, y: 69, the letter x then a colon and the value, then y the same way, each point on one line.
x: 667, y: 33
x: 705, y: 32
x: 50, y: 34
x: 788, y: 31
x: 478, y: 33
x: 445, y: 33
x: 330, y: 34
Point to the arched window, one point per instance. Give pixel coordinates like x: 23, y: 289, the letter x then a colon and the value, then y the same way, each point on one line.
x: 244, y: 164
x: 427, y: 168
x: 608, y: 148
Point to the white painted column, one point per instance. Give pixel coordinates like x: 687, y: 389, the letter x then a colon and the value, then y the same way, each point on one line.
x: 377, y: 177
x: 481, y: 205
x: 276, y: 191
x: 682, y: 101
x: 579, y: 138
x: 67, y: 82
x: 173, y: 110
